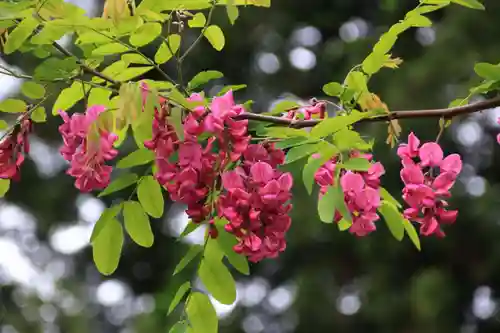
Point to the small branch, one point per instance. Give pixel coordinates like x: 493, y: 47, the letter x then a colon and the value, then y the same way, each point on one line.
x: 433, y: 113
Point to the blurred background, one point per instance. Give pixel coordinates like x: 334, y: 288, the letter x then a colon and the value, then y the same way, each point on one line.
x: 326, y: 281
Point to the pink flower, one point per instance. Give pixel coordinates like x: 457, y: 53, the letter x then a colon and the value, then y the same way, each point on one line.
x: 424, y: 191
x: 12, y: 149
x: 86, y: 152
x: 361, y: 192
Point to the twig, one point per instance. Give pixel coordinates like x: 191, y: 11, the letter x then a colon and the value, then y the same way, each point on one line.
x: 447, y: 113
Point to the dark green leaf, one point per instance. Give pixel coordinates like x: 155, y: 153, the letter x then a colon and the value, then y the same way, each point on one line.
x: 150, y: 196
x: 203, y: 78
x: 190, y: 255
x: 137, y: 224
x: 180, y: 327
x: 139, y: 157
x: 393, y: 218
x: 107, y: 247
x: 183, y: 289
x: 201, y: 314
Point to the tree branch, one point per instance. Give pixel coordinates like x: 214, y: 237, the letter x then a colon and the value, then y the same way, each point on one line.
x: 433, y: 113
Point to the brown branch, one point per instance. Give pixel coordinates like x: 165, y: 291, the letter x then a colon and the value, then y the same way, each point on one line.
x: 435, y: 113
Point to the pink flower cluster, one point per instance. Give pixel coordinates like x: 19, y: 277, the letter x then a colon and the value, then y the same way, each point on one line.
x: 361, y: 192
x: 426, y: 188
x: 256, y: 203
x: 87, y: 152
x: 307, y: 112
x: 12, y: 150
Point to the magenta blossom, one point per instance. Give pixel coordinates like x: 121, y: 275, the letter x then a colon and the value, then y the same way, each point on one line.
x: 12, y: 150
x: 425, y: 188
x: 86, y: 152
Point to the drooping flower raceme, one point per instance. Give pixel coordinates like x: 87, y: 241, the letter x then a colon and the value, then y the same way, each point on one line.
x: 87, y: 147
x: 12, y: 149
x: 256, y: 203
x: 361, y: 192
x: 428, y: 177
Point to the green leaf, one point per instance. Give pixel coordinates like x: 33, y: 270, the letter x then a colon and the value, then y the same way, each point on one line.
x: 232, y: 11
x: 190, y: 255
x: 393, y: 218
x: 134, y: 58
x: 166, y: 52
x: 385, y: 43
x: 314, y: 164
x: 107, y: 247
x: 132, y: 72
x: 99, y: 96
x: 488, y: 71
x: 54, y: 68
x: 234, y: 88
x: 137, y: 224
x: 357, y: 81
x: 340, y: 200
x: 374, y: 62
x: 20, y: 34
x: 344, y: 225
x: 145, y: 34
x: 150, y: 196
x: 4, y: 187
x: 110, y: 49
x: 217, y: 279
x: 284, y: 106
x: 333, y: 89
x: 419, y: 21
x: 50, y: 33
x: 107, y: 215
x: 201, y: 314
x: 198, y: 21
x: 388, y: 197
x: 39, y: 115
x: 412, y: 233
x: 326, y: 205
x: 346, y: 140
x: 227, y: 242
x: 183, y: 289
x: 299, y: 152
x: 190, y: 227
x: 68, y: 97
x: 335, y: 124
x: 203, y: 78
x: 291, y: 142
x: 474, y: 4
x: 215, y: 36
x: 357, y: 164
x: 139, y: 157
x: 94, y: 37
x: 282, y: 132
x: 33, y: 90
x: 180, y: 327
x: 11, y: 105
x: 119, y: 183
x: 3, y: 125
x: 175, y: 119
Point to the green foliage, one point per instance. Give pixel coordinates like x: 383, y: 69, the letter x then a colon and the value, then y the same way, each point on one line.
x: 215, y: 36
x: 356, y: 164
x: 284, y: 106
x: 39, y: 115
x: 300, y: 152
x: 12, y: 105
x: 226, y: 243
x: 393, y: 219
x: 326, y: 205
x: 150, y: 196
x: 190, y: 255
x: 137, y: 224
x: 168, y: 48
x: 20, y: 34
x: 139, y: 157
x: 120, y: 183
x: 203, y: 78
x: 335, y: 124
x: 68, y: 97
x: 145, y: 34
x: 314, y: 163
x: 198, y: 21
x: 33, y: 90
x: 201, y: 314
x: 107, y: 247
x: 107, y: 215
x: 4, y: 187
x: 181, y: 292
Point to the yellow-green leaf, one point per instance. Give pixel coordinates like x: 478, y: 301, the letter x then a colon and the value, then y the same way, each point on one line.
x: 215, y: 36
x: 190, y: 255
x: 68, y: 97
x: 217, y: 279
x: 203, y: 78
x: 119, y: 183
x: 107, y: 215
x: 145, y: 34
x: 474, y: 4
x: 4, y: 187
x: 201, y: 314
x: 166, y: 52
x: 132, y: 72
x: 393, y: 218
x: 109, y: 49
x: 107, y: 247
x: 12, y: 105
x: 33, y: 90
x: 139, y: 157
x: 198, y: 21
x: 412, y: 233
x: 137, y: 224
x: 39, y: 115
x: 183, y: 289
x: 20, y: 34
x: 150, y: 196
